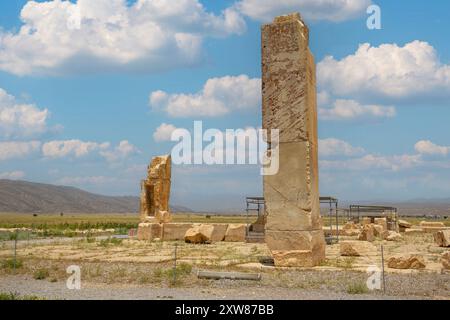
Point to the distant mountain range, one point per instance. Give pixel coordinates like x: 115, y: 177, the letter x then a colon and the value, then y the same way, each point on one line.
x: 413, y: 207
x: 30, y: 197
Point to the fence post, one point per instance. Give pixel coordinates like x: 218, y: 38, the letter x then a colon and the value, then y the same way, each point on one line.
x: 382, y: 268
x: 15, y: 251
x: 175, y: 265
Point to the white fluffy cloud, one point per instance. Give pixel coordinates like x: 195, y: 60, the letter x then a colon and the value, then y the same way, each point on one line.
x: 336, y: 147
x: 332, y: 10
x: 218, y: 97
x: 429, y: 148
x: 14, y: 150
x: 60, y: 37
x: 343, y: 109
x: 164, y: 132
x: 20, y: 120
x: 120, y: 152
x: 389, y: 70
x: 77, y: 148
x: 371, y: 162
x: 12, y: 175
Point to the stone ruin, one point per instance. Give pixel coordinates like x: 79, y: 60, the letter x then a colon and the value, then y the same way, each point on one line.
x: 294, y: 231
x: 155, y: 191
x: 293, y: 225
x: 155, y: 218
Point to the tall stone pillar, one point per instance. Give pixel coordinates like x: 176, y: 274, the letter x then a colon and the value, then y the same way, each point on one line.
x: 155, y: 190
x: 294, y: 228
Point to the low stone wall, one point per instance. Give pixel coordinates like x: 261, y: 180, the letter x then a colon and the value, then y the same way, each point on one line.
x: 177, y: 231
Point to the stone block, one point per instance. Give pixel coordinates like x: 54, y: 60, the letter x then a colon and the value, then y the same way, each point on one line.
x: 442, y: 238
x: 367, y: 233
x: 149, y: 231
x: 235, y: 233
x: 356, y: 248
x: 406, y: 262
x: 199, y: 234
x: 175, y: 231
x: 381, y: 222
x: 219, y: 231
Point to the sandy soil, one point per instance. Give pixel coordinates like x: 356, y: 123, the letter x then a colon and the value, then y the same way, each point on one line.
x: 130, y: 269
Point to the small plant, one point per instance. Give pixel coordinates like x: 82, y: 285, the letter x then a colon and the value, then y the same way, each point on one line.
x: 158, y: 273
x: 346, y: 263
x: 9, y: 296
x: 16, y: 296
x: 144, y: 279
x: 357, y: 288
x: 10, y: 264
x: 110, y: 241
x: 41, y: 274
x: 184, y: 268
x: 181, y: 270
x: 90, y: 239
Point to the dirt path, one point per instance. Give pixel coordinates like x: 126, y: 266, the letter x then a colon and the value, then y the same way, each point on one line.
x: 23, y: 285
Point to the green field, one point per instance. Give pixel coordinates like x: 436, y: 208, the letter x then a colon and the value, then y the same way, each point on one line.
x: 102, y: 221
x: 56, y: 225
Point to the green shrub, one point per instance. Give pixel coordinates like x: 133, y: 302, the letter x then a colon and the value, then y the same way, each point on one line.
x: 181, y: 270
x: 111, y: 241
x: 9, y: 264
x: 158, y: 273
x: 16, y: 296
x: 41, y: 274
x: 357, y: 288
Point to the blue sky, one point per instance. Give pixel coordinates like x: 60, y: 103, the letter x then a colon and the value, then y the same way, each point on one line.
x: 75, y: 105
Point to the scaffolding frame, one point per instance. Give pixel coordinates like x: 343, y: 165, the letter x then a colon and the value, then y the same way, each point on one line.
x: 254, y: 204
x: 333, y: 208
x: 372, y: 212
x: 258, y: 204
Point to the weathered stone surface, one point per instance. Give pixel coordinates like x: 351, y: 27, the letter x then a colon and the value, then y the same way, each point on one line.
x: 356, y: 248
x: 351, y: 232
x: 175, y: 231
x: 404, y: 224
x: 434, y: 229
x: 163, y: 216
x: 392, y: 236
x: 378, y: 230
x: 350, y: 225
x: 235, y: 233
x: 442, y: 238
x: 199, y: 234
x: 381, y: 222
x: 366, y: 220
x: 149, y: 231
x: 414, y: 231
x: 155, y: 190
x: 406, y: 262
x: 433, y: 224
x: 219, y: 232
x: 445, y: 259
x: 296, y: 258
x: 350, y: 229
x: 367, y: 233
x: 289, y: 105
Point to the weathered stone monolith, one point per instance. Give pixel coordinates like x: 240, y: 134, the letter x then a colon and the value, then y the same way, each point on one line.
x: 155, y: 191
x: 294, y: 228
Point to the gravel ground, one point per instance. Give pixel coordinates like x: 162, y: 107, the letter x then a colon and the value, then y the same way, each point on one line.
x: 223, y: 289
